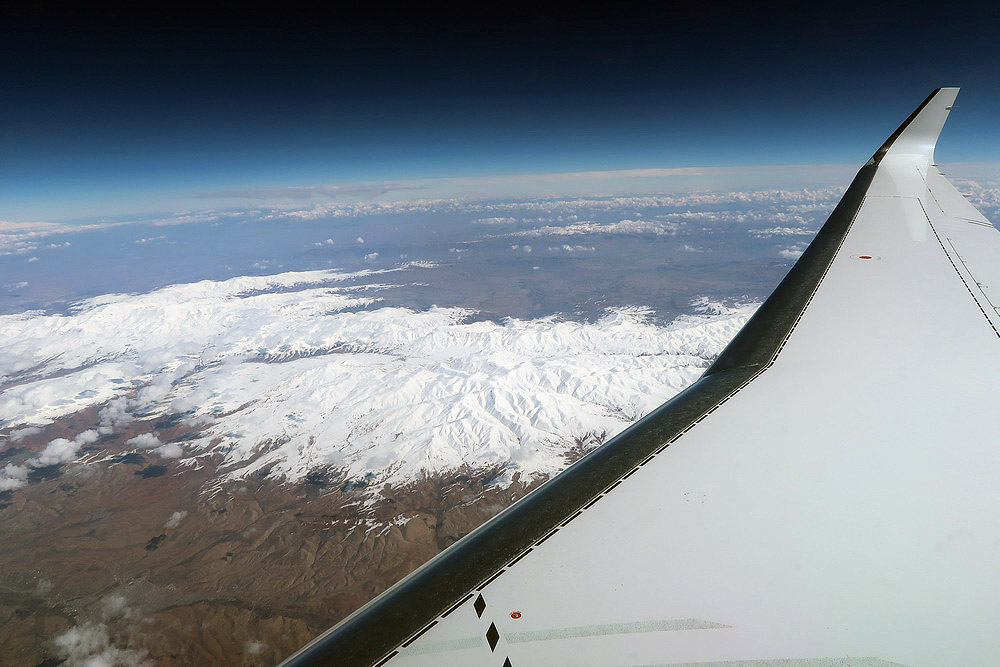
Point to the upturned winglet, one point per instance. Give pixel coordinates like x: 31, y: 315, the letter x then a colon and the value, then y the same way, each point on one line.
x: 916, y: 137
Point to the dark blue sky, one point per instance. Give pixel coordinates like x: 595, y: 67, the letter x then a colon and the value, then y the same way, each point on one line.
x: 111, y: 114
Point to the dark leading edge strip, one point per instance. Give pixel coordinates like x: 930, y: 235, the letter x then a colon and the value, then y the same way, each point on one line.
x: 373, y: 633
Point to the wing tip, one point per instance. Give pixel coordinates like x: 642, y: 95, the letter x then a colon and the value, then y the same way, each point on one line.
x: 917, y: 137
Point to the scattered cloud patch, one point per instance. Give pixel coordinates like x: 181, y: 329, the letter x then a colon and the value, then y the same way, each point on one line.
x: 654, y: 227
x: 792, y: 251
x: 786, y: 206
x: 114, y: 415
x: 87, y: 437
x: 255, y: 647
x: 266, y: 265
x: 89, y: 645
x: 13, y: 477
x: 171, y: 450
x: 144, y: 441
x: 59, y: 450
x: 21, y: 433
x: 782, y: 231
x: 175, y: 519
x: 571, y: 249
x: 115, y: 606
x: 18, y: 238
x: 495, y: 221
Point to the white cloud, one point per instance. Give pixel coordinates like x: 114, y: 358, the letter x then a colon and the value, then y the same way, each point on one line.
x: 151, y: 239
x: 359, y: 240
x: 13, y: 477
x: 114, y: 415
x: 144, y: 441
x: 171, y: 450
x: 371, y: 256
x: 11, y: 227
x: 495, y: 221
x: 793, y: 251
x: 22, y: 433
x: 323, y: 243
x: 87, y: 437
x: 621, y: 227
x: 255, y: 647
x: 59, y: 450
x: 572, y: 248
x: 32, y: 259
x: 175, y: 519
x: 88, y: 645
x: 265, y: 265
x: 22, y: 237
x: 782, y: 231
x: 114, y: 606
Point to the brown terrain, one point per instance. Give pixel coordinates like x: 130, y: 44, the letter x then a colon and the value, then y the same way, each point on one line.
x: 156, y: 560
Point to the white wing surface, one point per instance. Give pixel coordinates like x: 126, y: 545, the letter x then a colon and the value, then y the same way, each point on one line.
x: 827, y: 494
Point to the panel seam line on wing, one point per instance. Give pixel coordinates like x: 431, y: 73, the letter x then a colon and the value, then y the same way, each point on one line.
x: 954, y: 266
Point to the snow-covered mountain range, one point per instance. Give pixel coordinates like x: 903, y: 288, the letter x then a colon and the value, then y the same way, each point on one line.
x: 298, y: 371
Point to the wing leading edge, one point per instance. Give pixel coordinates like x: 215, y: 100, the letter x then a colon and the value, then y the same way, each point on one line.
x: 825, y: 490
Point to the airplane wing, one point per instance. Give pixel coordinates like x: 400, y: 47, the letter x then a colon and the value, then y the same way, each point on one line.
x: 828, y: 493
